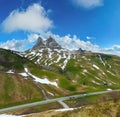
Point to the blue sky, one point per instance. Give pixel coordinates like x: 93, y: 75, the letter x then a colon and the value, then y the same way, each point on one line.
x: 90, y: 24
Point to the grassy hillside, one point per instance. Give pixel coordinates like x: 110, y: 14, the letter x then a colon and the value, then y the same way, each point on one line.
x: 14, y: 88
x: 10, y: 60
x: 17, y: 89
x: 74, y: 73
x: 104, y: 109
x: 107, y: 106
x: 90, y: 72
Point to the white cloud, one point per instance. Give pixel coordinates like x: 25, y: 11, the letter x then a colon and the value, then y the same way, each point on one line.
x: 13, y: 44
x: 32, y: 37
x: 88, y: 3
x: 74, y: 43
x: 19, y: 45
x: 68, y: 42
x: 115, y: 49
x: 33, y: 19
x: 89, y: 37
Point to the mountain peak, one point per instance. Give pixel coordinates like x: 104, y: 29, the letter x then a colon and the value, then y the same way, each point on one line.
x: 80, y: 51
x: 39, y: 44
x: 51, y: 39
x: 51, y: 43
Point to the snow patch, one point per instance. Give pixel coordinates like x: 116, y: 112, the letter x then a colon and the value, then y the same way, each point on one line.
x: 95, y: 66
x: 101, y: 60
x: 67, y: 109
x: 26, y: 70
x: 111, y: 73
x: 74, y: 81
x: 43, y: 81
x: 19, y: 53
x: 59, y: 58
x: 5, y: 115
x: 64, y: 55
x: 109, y: 66
x: 10, y: 71
x: 57, y: 50
x: 103, y: 73
x: 50, y: 53
x: 65, y: 62
x: 33, y: 53
x: 84, y: 57
x: 85, y: 71
x: 24, y: 74
x: 109, y: 89
x: 50, y: 93
x: 41, y: 50
x: 46, y: 62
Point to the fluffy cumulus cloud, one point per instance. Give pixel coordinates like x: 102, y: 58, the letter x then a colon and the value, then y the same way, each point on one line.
x: 33, y: 19
x: 68, y: 42
x: 13, y: 44
x: 74, y: 43
x: 19, y: 45
x: 88, y: 3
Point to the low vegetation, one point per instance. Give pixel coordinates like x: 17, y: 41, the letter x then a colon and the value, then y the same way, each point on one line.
x: 87, y: 72
x: 109, y: 106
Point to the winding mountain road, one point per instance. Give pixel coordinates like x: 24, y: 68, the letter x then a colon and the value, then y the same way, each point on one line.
x: 53, y: 100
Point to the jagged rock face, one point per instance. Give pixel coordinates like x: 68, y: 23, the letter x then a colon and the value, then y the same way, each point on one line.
x: 49, y: 43
x: 79, y: 51
x: 40, y: 44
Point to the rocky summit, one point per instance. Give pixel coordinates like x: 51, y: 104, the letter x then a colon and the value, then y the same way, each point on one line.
x: 40, y: 44
x: 49, y: 43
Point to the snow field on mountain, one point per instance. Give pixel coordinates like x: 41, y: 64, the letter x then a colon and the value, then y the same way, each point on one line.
x: 42, y: 81
x: 65, y: 62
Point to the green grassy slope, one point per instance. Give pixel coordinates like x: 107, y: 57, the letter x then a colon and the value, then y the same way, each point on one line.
x: 86, y: 72
x: 104, y: 109
x: 15, y: 89
x: 105, y: 105
x: 83, y: 72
